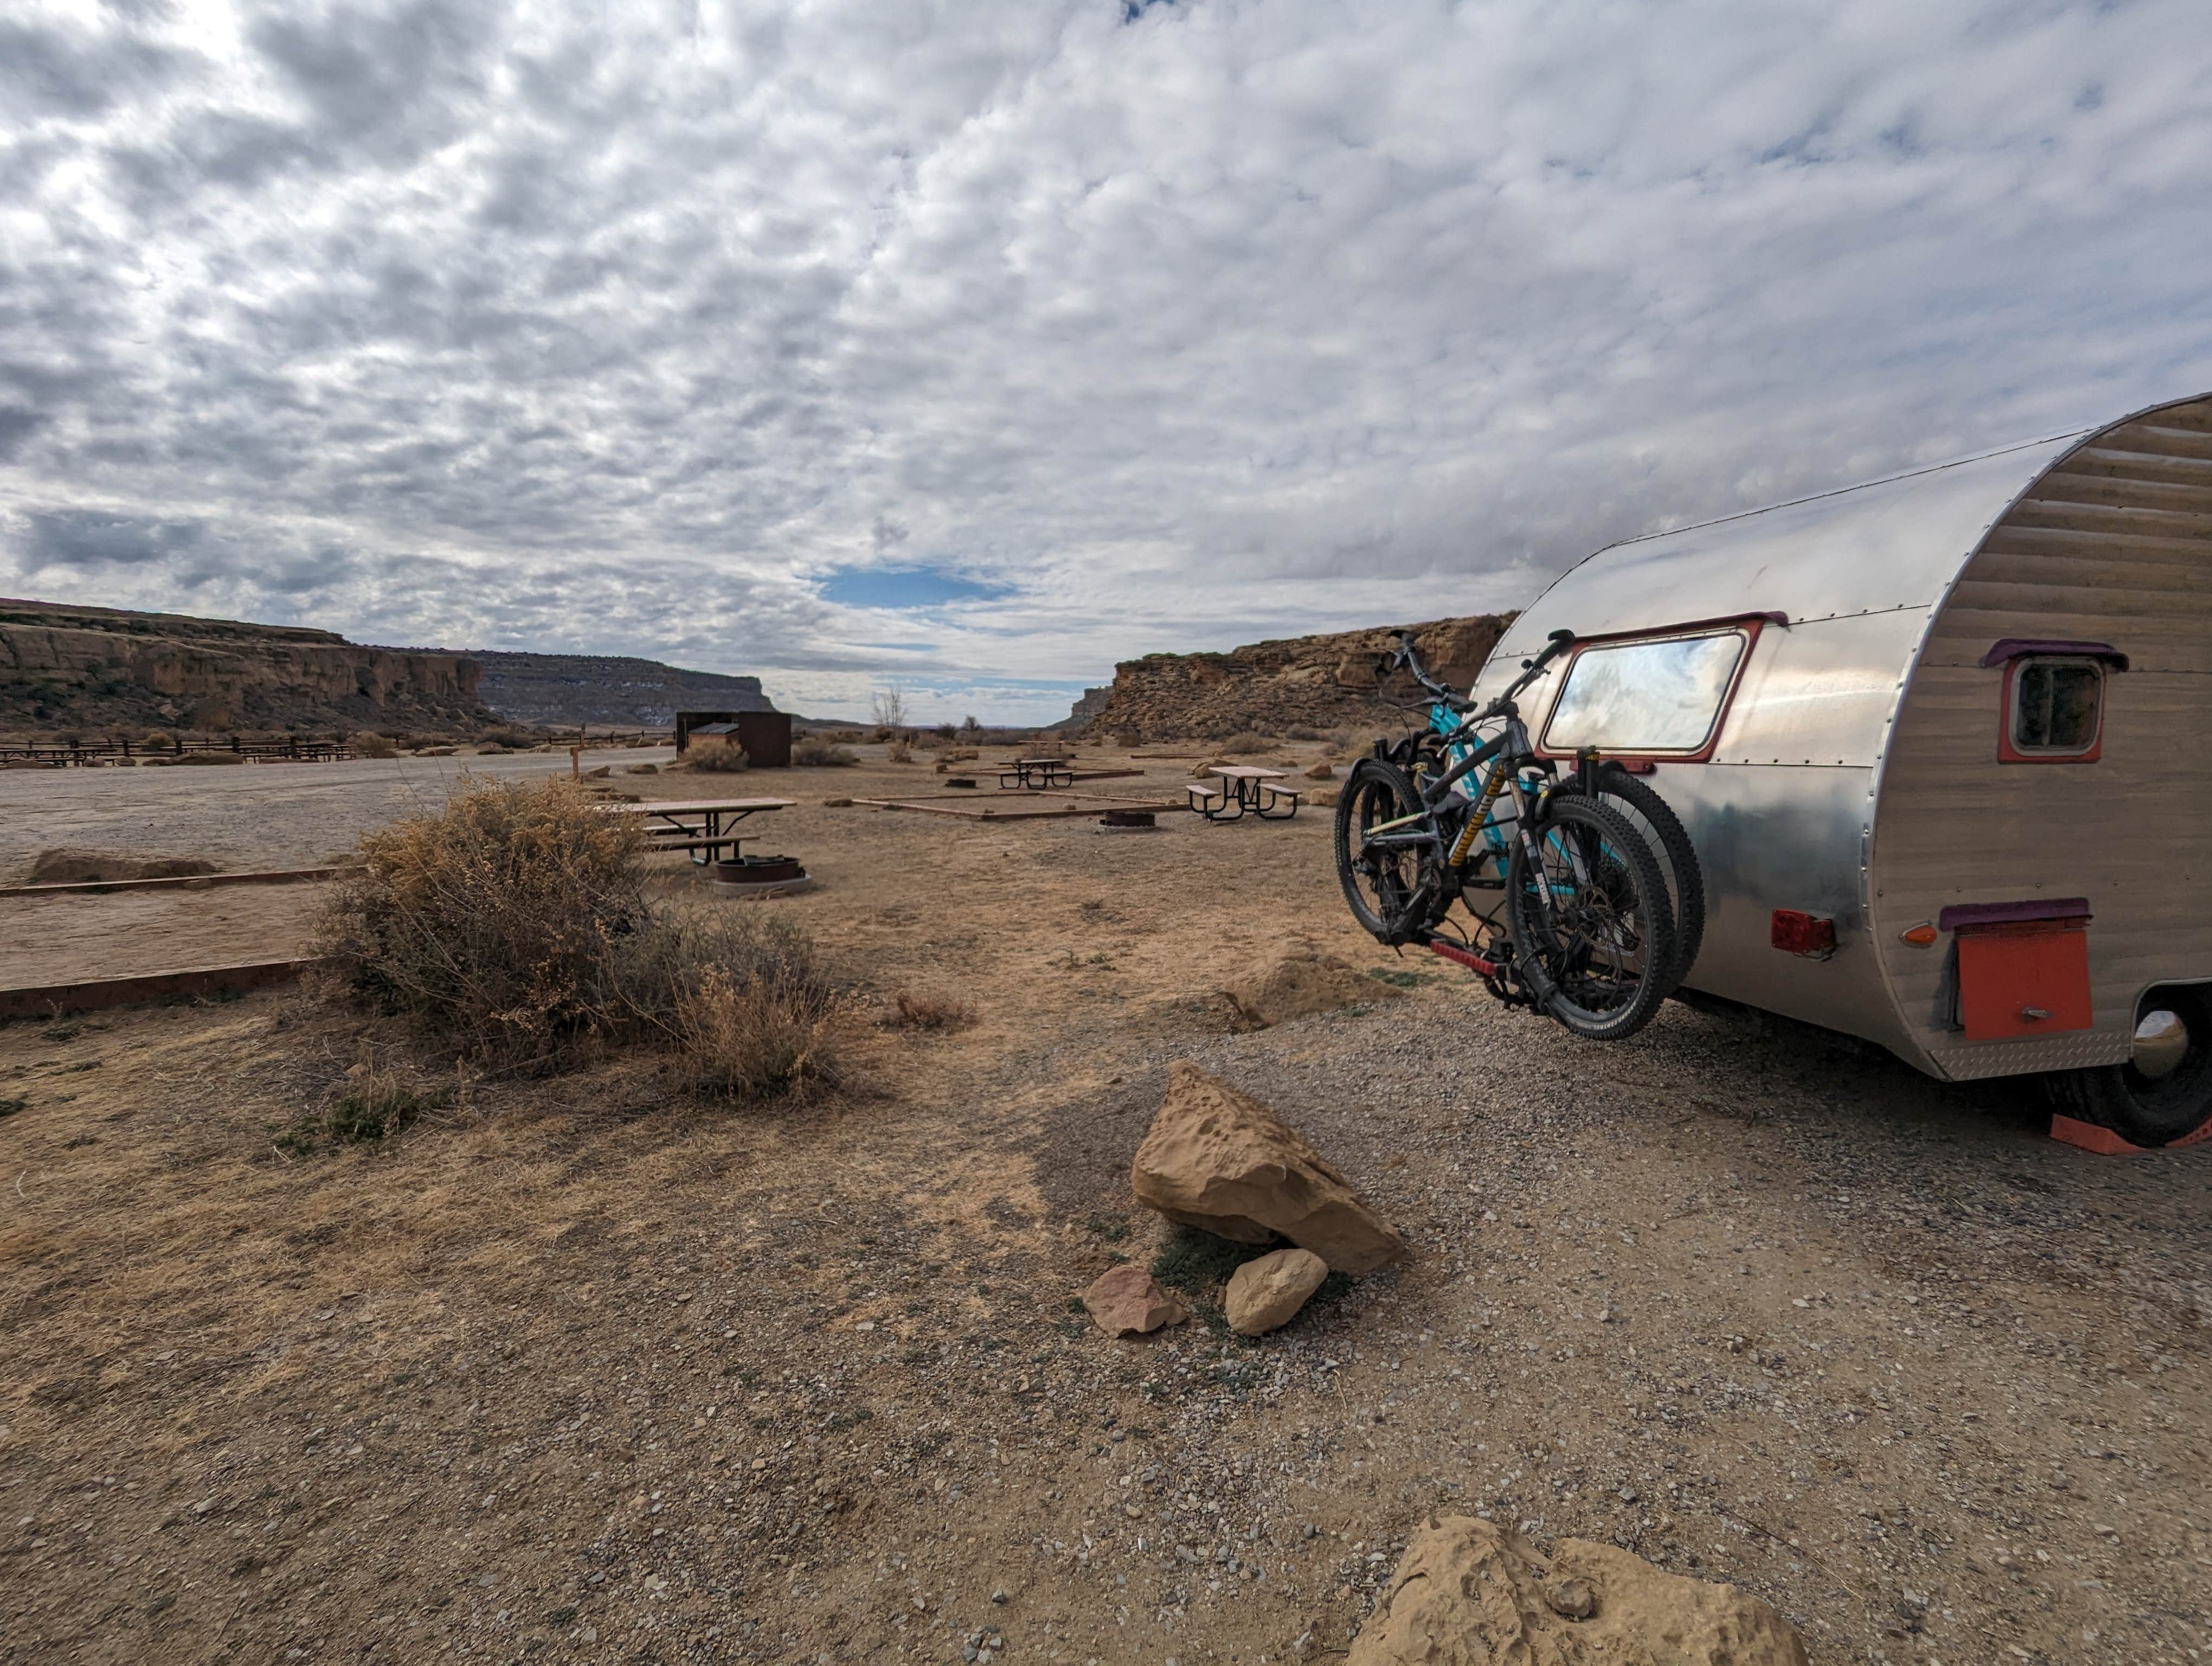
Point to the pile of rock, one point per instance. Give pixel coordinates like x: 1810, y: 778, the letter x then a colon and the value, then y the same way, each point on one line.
x: 1217, y: 1159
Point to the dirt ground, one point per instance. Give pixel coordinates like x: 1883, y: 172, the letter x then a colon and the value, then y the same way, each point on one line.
x: 580, y: 1371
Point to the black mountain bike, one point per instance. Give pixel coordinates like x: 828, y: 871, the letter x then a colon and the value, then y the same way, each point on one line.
x: 1585, y: 893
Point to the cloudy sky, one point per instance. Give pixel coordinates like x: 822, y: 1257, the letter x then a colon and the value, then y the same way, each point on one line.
x: 972, y: 347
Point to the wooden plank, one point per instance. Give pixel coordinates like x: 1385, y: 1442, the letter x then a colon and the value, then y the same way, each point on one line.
x: 185, y: 881
x: 2115, y: 460
x: 992, y: 812
x: 2083, y: 602
x: 694, y: 806
x: 2197, y: 414
x: 93, y: 995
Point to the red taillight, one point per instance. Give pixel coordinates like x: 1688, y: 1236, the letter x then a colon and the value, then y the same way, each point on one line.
x: 1809, y: 934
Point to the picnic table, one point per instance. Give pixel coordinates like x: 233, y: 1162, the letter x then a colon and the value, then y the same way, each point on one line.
x: 1037, y: 774
x: 1244, y: 787
x: 704, y: 827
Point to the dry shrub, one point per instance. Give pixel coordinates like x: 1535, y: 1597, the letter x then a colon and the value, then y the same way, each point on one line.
x: 159, y: 739
x: 513, y: 925
x: 1244, y: 745
x: 899, y: 752
x: 369, y: 744
x: 819, y: 752
x: 957, y: 755
x: 740, y: 995
x: 920, y: 1011
x: 494, y: 919
x: 210, y: 757
x: 715, y: 753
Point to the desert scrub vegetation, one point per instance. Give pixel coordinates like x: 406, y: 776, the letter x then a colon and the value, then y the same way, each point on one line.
x: 1243, y: 746
x: 922, y: 1009
x: 819, y: 752
x: 513, y: 927
x: 715, y: 755
x: 369, y: 744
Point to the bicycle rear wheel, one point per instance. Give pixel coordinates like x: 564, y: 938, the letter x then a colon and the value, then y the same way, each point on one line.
x: 1652, y: 816
x: 1380, y: 885
x: 1588, y: 912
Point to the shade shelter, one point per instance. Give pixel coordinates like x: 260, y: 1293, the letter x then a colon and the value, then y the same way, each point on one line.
x: 1940, y: 741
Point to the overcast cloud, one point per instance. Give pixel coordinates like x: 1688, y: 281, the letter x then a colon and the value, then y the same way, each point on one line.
x: 977, y: 346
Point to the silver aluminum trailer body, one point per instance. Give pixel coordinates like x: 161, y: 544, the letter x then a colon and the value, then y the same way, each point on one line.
x: 1862, y: 771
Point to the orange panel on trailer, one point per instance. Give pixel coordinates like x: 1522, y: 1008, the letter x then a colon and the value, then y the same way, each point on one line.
x: 2029, y: 978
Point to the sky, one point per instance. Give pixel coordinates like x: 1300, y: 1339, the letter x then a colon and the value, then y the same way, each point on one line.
x: 967, y: 349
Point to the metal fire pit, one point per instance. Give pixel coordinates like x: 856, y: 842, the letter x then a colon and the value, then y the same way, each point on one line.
x: 1127, y: 821
x: 759, y: 876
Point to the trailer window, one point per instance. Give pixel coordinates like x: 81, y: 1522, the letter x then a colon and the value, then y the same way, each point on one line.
x: 1654, y: 697
x: 2055, y: 708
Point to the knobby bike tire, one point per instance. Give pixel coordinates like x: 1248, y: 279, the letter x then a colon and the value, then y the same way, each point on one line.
x: 1678, y: 858
x: 1376, y: 791
x: 1549, y: 963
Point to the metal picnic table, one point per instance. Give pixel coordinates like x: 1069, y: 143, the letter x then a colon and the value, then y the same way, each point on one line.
x: 695, y: 825
x: 1037, y: 774
x: 1243, y: 786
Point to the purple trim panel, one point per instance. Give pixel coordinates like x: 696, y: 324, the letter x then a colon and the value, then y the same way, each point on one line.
x: 2015, y: 648
x: 2009, y: 913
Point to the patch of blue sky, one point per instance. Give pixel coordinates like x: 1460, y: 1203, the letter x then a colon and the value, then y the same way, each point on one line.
x: 906, y: 587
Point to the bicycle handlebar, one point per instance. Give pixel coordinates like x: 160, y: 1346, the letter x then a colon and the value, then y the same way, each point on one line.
x: 1407, y: 658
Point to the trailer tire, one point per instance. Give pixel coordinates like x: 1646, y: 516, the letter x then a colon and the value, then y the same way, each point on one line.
x: 2142, y: 1110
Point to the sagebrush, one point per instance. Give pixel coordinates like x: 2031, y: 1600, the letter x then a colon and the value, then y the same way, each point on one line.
x: 514, y: 927
x: 716, y: 755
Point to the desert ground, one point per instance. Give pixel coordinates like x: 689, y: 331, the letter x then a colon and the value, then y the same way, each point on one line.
x: 584, y: 1369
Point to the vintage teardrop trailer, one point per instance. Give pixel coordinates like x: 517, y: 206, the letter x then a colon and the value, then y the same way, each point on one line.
x: 1941, y: 744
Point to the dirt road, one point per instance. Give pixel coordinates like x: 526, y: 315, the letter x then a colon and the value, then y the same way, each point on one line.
x: 581, y: 1372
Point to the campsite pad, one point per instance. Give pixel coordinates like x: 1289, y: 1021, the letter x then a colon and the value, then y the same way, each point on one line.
x: 73, y: 939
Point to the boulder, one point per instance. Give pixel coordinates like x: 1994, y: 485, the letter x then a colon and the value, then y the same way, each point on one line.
x: 1217, y: 1159
x: 1470, y: 1593
x: 1126, y: 1302
x: 1321, y: 772
x: 1267, y: 1294
x: 1299, y: 985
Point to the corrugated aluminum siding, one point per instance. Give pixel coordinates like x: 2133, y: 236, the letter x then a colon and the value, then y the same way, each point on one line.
x: 2112, y: 544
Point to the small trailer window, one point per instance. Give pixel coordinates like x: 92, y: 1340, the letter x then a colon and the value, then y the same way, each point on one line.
x: 2054, y: 709
x: 1659, y: 697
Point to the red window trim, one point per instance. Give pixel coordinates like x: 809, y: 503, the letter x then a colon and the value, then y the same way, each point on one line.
x: 1750, y: 624
x: 2009, y: 753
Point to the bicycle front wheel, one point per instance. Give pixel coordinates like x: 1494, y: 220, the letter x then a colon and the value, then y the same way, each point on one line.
x: 1587, y: 911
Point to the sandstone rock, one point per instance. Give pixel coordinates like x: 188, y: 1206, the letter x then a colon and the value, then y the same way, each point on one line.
x: 1471, y: 1593
x: 1217, y: 1159
x: 1125, y: 1302
x: 1268, y: 1293
x: 1321, y: 772
x: 1298, y: 986
x: 1318, y: 682
x: 1324, y: 797
x: 836, y: 804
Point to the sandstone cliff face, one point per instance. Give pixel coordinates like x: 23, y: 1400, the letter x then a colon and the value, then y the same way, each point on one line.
x: 95, y: 668
x: 590, y: 688
x: 1315, y: 681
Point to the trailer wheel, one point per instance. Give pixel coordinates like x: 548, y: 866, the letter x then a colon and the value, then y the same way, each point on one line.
x: 2164, y: 1094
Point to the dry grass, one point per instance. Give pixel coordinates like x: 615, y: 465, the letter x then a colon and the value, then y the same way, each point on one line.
x: 819, y: 752
x: 1245, y: 745
x: 369, y: 744
x: 513, y: 927
x: 899, y: 752
x: 716, y: 755
x: 919, y: 1010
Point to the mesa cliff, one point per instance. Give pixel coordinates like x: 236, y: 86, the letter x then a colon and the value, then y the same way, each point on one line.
x: 566, y: 689
x: 100, y: 668
x: 1300, y: 682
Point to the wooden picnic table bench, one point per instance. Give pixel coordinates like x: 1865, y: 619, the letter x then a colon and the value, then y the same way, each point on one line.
x: 695, y: 825
x: 1244, y: 787
x: 1037, y: 774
